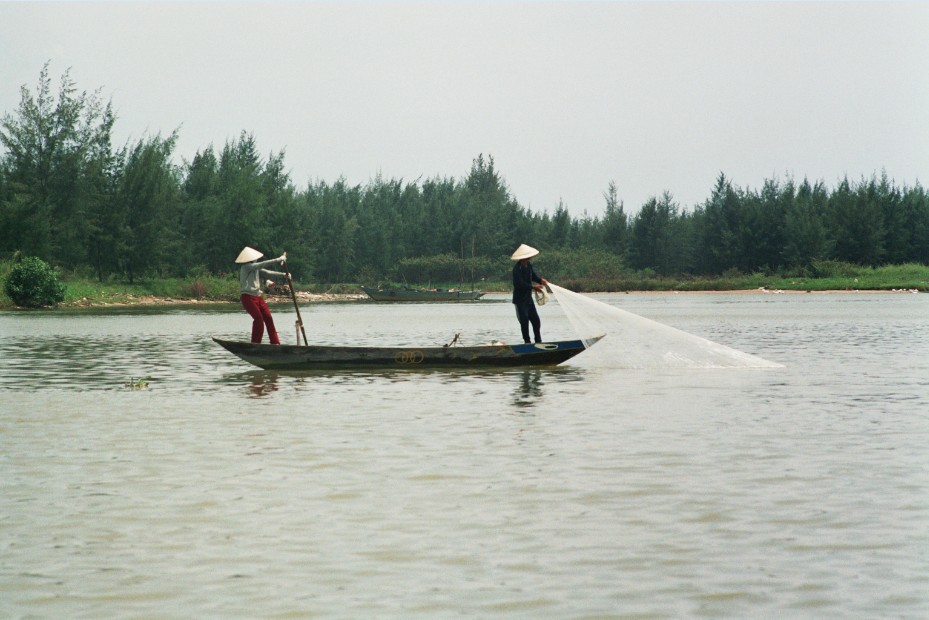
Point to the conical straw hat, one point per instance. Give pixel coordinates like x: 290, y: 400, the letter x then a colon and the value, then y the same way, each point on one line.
x: 524, y: 251
x: 248, y: 255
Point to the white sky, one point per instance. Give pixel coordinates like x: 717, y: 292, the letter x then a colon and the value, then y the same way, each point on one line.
x: 566, y: 96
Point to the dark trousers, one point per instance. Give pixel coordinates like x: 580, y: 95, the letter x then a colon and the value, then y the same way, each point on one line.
x: 258, y: 309
x: 526, y: 313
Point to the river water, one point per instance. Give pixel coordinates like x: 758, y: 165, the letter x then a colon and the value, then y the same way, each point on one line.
x: 584, y: 491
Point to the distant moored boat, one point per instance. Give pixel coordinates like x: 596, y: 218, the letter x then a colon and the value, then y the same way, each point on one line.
x: 416, y: 294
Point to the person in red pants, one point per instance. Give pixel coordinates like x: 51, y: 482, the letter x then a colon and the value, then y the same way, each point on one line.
x: 250, y: 275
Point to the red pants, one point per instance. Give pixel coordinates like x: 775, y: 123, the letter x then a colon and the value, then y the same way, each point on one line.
x: 261, y: 315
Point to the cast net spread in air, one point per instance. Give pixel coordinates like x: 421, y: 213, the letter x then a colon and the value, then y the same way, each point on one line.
x: 632, y: 341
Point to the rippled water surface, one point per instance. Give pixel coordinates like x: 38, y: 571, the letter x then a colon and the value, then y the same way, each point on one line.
x: 584, y: 491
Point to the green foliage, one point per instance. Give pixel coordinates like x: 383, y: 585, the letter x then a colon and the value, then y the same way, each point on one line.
x: 805, y: 233
x: 196, y: 287
x: 81, y: 291
x: 133, y: 214
x: 560, y: 264
x: 449, y: 268
x: 653, y: 242
x: 833, y: 269
x: 147, y: 194
x: 32, y: 283
x: 614, y: 228
x: 5, y: 267
x: 57, y: 158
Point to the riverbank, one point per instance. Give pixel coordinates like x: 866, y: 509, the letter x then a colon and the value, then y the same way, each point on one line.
x: 155, y: 300
x: 828, y: 277
x: 129, y: 300
x: 314, y: 298
x: 203, y: 291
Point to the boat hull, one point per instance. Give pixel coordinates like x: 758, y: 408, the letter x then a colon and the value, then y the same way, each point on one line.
x: 417, y: 295
x: 298, y: 357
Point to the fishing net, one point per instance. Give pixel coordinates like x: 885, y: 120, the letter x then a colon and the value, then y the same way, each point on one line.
x: 632, y: 341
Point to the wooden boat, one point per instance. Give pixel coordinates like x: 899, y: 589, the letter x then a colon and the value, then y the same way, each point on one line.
x: 313, y: 357
x: 413, y: 294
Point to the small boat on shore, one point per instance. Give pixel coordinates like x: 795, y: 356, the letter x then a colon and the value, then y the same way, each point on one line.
x: 313, y: 357
x: 415, y: 294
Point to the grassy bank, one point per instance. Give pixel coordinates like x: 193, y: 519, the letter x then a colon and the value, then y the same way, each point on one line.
x: 842, y: 278
x: 90, y: 292
x: 831, y: 277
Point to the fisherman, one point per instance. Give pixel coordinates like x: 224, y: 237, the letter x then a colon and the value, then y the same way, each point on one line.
x: 525, y: 281
x: 250, y: 276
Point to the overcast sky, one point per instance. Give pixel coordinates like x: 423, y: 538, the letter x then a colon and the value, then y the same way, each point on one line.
x: 566, y: 96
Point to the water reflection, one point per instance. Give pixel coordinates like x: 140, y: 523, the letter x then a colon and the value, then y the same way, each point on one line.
x: 529, y: 384
x: 258, y: 383
x: 529, y: 389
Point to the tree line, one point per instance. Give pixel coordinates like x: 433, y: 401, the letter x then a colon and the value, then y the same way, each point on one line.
x: 69, y: 196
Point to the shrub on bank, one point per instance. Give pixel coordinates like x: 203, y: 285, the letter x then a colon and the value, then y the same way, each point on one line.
x: 32, y: 283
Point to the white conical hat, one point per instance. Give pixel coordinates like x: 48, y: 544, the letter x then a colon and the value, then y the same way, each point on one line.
x: 248, y: 255
x: 524, y: 251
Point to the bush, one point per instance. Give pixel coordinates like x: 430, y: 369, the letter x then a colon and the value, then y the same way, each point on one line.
x: 834, y: 269
x: 32, y: 283
x: 197, y: 288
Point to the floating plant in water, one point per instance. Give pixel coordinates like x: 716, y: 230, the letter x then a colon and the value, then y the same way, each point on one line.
x: 138, y: 384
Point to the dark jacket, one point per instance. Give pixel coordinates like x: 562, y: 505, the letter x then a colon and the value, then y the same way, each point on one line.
x: 523, y: 277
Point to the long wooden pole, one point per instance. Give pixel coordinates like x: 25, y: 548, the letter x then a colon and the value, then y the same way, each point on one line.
x: 293, y: 295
